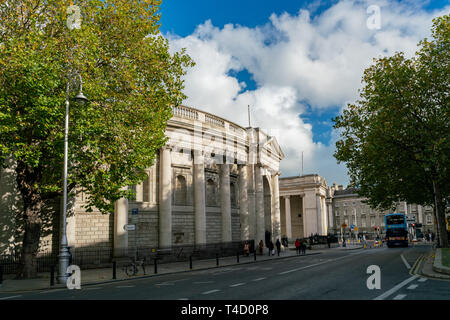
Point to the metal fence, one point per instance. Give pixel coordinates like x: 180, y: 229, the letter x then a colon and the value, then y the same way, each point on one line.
x: 102, y: 257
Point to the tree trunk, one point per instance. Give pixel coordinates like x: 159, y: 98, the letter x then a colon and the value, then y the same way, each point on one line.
x: 27, y: 178
x: 440, y: 217
x: 30, y: 244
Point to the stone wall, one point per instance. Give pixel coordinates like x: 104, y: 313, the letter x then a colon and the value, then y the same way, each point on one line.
x: 93, y: 230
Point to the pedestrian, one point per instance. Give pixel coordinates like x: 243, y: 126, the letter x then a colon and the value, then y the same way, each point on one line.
x: 328, y: 241
x: 270, y: 245
x: 278, y: 245
x: 303, y: 247
x: 246, y: 249
x: 297, y: 246
x: 261, y: 247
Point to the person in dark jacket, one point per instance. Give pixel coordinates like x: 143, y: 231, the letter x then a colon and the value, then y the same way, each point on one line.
x: 270, y: 245
x: 261, y: 247
x: 278, y: 245
x: 303, y: 247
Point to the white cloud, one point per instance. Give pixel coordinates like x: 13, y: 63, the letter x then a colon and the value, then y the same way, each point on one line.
x: 295, y: 59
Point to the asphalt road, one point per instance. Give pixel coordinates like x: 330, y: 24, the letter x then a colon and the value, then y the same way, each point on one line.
x: 331, y: 275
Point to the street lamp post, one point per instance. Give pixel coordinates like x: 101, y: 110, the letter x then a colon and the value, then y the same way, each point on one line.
x: 64, y: 255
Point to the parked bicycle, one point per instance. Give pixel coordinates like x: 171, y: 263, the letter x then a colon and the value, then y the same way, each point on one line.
x: 133, y: 268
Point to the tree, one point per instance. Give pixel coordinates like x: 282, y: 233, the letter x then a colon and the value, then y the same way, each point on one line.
x: 130, y: 77
x: 395, y: 139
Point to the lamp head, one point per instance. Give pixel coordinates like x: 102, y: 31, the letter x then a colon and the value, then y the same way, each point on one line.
x: 81, y: 98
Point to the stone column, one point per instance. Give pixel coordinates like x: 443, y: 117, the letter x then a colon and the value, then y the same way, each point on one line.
x: 260, y: 225
x: 276, y: 221
x: 199, y: 198
x: 165, y: 198
x: 420, y: 214
x: 330, y: 213
x: 324, y: 216
x: 319, y: 214
x: 287, y: 206
x: 251, y: 203
x: 225, y: 202
x: 243, y: 203
x: 304, y: 216
x: 120, y: 220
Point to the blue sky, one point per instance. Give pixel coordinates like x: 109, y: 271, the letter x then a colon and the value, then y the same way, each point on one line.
x: 296, y: 62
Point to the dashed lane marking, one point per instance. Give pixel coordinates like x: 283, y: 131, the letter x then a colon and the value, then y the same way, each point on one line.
x: 412, y: 287
x: 259, y: 279
x: 211, y: 291
x: 11, y: 297
x: 422, y: 279
x: 399, y: 297
x: 237, y: 284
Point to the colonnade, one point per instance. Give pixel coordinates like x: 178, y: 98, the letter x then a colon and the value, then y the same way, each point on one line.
x: 251, y: 202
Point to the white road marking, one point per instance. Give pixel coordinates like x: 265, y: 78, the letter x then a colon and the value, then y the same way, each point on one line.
x: 96, y: 288
x: 211, y: 291
x: 259, y: 279
x: 298, y: 269
x: 237, y: 284
x: 203, y: 282
x: 422, y: 279
x: 183, y: 299
x: 11, y: 297
x: 317, y: 264
x: 396, y: 288
x: 412, y: 287
x: 405, y: 262
x: 399, y: 297
x: 125, y: 286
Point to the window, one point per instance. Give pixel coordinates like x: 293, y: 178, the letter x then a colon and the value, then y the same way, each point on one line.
x: 180, y: 191
x: 429, y: 219
x: 146, y: 189
x: 233, y: 194
x: 210, y: 193
x: 363, y: 222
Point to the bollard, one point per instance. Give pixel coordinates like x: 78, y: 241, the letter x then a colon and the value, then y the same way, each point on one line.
x: 1, y: 274
x: 114, y: 270
x: 217, y: 259
x: 190, y: 262
x: 237, y: 257
x: 254, y: 253
x: 52, y: 276
x: 156, y: 266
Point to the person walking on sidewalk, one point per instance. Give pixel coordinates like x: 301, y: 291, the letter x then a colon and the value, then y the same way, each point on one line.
x: 297, y: 246
x: 270, y: 245
x: 278, y: 245
x: 303, y: 247
x: 261, y: 247
x: 246, y: 249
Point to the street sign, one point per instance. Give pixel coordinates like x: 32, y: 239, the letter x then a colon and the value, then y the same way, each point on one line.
x: 135, y: 211
x: 129, y: 227
x: 344, y: 225
x: 352, y: 226
x: 356, y: 228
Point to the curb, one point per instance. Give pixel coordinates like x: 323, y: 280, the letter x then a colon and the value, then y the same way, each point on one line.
x: 437, y: 265
x: 61, y: 286
x: 428, y: 271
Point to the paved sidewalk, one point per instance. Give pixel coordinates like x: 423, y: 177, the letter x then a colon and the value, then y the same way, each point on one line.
x: 427, y: 267
x: 97, y: 276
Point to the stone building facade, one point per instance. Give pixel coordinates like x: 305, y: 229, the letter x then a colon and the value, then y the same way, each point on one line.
x: 304, y: 209
x: 350, y: 209
x: 213, y: 181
